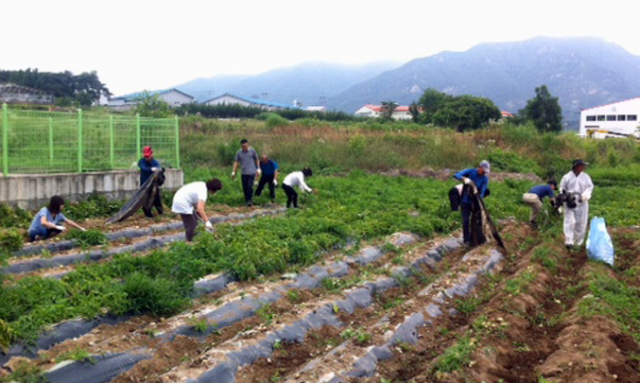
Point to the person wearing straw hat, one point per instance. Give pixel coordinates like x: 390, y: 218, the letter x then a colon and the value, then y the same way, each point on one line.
x: 576, y: 219
x: 148, y: 165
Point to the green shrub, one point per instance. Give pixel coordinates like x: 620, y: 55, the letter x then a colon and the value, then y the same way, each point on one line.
x: 95, y: 206
x: 274, y: 120
x: 148, y: 295
x: 511, y: 162
x: 14, y: 217
x: 91, y: 237
x: 10, y: 240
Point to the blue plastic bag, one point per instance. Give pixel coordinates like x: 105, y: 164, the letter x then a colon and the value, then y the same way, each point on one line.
x: 599, y: 245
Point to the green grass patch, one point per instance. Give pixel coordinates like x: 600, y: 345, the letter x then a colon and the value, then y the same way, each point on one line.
x: 88, y: 238
x: 613, y: 299
x: 455, y: 357
x: 518, y: 285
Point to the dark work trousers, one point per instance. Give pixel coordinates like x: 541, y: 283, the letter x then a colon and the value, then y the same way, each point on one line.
x: 264, y: 180
x: 157, y: 202
x: 190, y: 222
x: 292, y: 196
x: 472, y: 232
x: 247, y: 187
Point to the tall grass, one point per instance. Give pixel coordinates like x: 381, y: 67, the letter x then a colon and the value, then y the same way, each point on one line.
x: 377, y: 146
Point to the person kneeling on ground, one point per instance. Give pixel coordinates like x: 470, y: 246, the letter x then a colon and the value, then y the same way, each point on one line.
x: 471, y: 215
x: 192, y: 197
x: 48, y: 222
x: 534, y: 199
x: 296, y: 179
x: 269, y: 176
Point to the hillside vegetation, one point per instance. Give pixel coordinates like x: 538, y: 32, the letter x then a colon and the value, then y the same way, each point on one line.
x: 338, y: 147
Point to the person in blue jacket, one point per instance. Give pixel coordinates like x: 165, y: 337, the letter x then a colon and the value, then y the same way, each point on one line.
x: 471, y: 215
x: 148, y: 165
x: 48, y: 222
x: 269, y: 176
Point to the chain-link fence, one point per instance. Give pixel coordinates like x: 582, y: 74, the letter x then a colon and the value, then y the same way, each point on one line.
x: 62, y: 142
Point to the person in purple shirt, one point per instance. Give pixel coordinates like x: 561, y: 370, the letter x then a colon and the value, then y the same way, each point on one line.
x: 534, y: 199
x: 471, y: 215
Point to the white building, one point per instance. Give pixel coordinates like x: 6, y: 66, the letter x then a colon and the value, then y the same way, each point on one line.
x: 173, y: 97
x: 400, y: 113
x: 230, y: 99
x: 18, y: 94
x: 619, y: 119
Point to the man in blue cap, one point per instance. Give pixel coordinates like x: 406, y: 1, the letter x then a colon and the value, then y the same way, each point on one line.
x: 476, y: 182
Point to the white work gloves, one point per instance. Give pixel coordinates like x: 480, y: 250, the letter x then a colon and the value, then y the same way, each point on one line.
x: 208, y: 226
x: 233, y: 175
x: 155, y: 169
x: 560, y: 210
x: 259, y: 171
x: 275, y: 182
x: 585, y: 197
x: 61, y: 228
x: 466, y: 180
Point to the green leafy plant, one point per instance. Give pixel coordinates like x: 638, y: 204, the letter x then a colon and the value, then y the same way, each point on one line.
x: 10, y: 240
x: 78, y: 355
x: 91, y: 237
x: 199, y: 325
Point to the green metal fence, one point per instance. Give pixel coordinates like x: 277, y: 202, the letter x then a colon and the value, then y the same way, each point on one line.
x: 61, y: 142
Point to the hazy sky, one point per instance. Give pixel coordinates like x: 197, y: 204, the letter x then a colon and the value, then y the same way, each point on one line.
x: 138, y: 44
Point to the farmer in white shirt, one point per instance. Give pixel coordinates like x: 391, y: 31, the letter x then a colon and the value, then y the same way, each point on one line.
x: 189, y: 202
x: 575, y: 220
x: 296, y: 179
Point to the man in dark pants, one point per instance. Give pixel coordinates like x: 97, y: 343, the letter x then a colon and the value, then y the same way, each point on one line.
x: 269, y: 176
x: 471, y: 212
x: 247, y: 159
x: 148, y: 165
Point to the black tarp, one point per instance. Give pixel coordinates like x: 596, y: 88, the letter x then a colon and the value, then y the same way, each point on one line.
x: 143, y: 197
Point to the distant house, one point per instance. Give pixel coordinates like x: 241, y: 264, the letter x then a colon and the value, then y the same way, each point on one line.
x: 506, y: 114
x: 230, y: 99
x: 173, y: 97
x: 619, y: 119
x: 18, y: 94
x: 316, y: 108
x: 400, y: 113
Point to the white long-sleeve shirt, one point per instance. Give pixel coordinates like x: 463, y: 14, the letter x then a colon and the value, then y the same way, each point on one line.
x: 577, y: 184
x: 296, y: 179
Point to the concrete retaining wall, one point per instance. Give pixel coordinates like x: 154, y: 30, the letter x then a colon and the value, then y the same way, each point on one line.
x: 32, y: 191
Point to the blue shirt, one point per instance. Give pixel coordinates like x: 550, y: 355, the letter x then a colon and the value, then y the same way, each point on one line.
x: 269, y: 168
x: 482, y: 182
x: 145, y: 169
x: 542, y: 191
x: 36, y: 224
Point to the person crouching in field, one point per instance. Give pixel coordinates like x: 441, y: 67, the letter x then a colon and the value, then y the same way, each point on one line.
x: 192, y: 197
x: 296, y: 179
x: 534, y: 199
x: 48, y: 222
